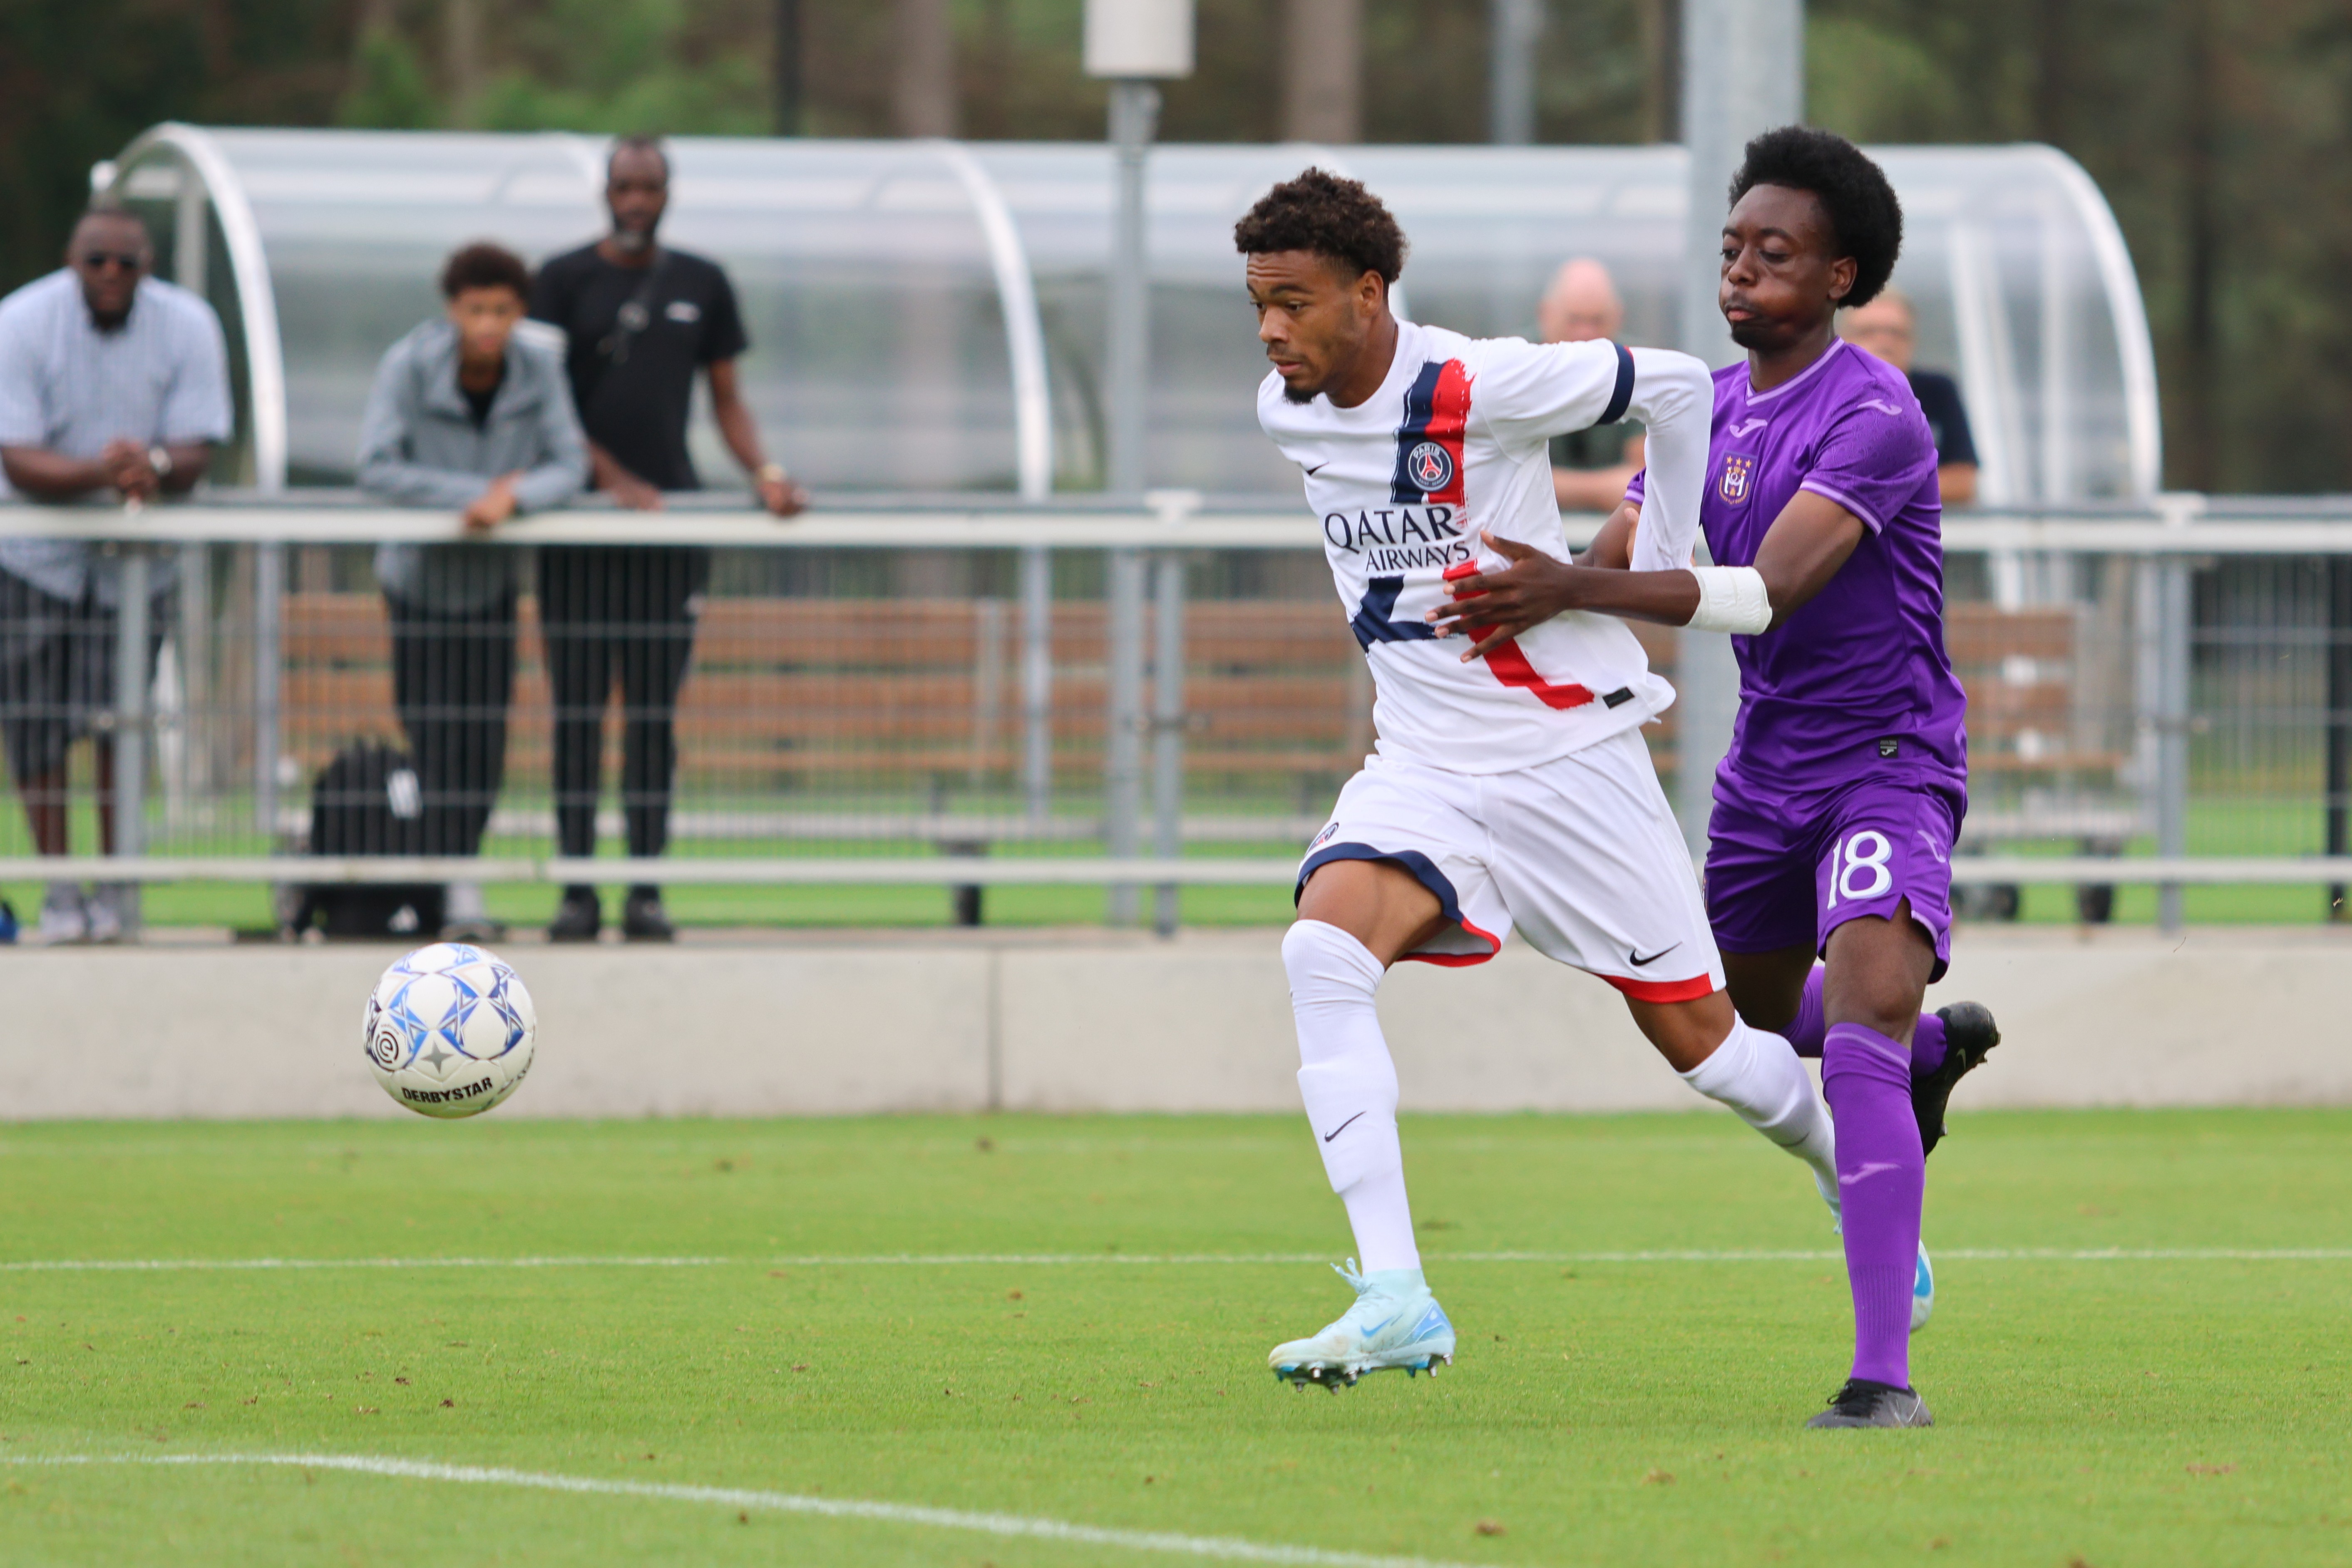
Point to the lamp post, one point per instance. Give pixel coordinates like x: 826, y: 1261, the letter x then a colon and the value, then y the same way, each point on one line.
x: 1743, y: 73
x: 1132, y: 44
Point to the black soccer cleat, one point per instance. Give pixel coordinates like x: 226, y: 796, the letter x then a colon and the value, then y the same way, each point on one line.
x: 1862, y: 1403
x: 1969, y: 1033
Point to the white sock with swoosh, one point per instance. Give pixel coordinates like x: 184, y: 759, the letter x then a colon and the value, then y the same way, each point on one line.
x: 1758, y: 1076
x: 1349, y: 1085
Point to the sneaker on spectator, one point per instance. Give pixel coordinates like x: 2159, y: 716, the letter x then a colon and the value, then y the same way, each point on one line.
x: 643, y: 918
x: 104, y: 909
x: 464, y: 916
x: 64, y: 919
x: 578, y: 918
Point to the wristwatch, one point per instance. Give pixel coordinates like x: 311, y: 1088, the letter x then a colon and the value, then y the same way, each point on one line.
x: 160, y: 459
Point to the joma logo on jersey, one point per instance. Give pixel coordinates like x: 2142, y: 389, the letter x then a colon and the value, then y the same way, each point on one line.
x: 1390, y: 525
x: 1738, y: 475
x: 1431, y: 466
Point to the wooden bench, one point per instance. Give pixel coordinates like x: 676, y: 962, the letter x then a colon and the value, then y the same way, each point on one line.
x: 902, y: 695
x: 787, y: 691
x: 2042, y: 758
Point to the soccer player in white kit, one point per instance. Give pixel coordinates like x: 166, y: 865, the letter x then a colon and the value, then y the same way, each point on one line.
x: 1511, y: 788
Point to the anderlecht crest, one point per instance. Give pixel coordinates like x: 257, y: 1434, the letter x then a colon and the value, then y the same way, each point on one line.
x: 1738, y: 474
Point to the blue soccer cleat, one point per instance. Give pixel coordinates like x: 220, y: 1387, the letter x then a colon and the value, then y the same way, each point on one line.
x: 1395, y: 1323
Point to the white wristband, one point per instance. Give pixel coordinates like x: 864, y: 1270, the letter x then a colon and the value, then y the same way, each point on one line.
x: 1731, y: 599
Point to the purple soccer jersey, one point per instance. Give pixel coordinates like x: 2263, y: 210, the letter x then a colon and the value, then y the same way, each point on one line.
x: 1856, y: 683
x: 1847, y: 776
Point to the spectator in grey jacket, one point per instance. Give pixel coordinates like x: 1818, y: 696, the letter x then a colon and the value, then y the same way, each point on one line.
x: 466, y: 416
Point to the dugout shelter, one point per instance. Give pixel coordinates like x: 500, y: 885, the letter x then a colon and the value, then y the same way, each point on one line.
x: 930, y: 315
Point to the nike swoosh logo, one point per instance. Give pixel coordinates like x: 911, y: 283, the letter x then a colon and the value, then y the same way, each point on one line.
x: 1638, y: 961
x: 1343, y: 1127
x: 1318, y: 468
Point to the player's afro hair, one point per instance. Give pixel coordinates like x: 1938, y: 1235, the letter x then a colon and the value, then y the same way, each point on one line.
x: 1335, y: 219
x: 1866, y: 219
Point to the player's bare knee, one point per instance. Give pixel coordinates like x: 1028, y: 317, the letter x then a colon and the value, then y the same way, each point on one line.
x: 1684, y: 1033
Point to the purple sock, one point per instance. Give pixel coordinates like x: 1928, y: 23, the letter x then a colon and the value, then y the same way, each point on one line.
x: 1806, y: 1030
x: 1882, y: 1178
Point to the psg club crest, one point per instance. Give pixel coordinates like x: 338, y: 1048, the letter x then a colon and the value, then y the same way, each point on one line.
x: 1430, y: 467
x: 1738, y: 476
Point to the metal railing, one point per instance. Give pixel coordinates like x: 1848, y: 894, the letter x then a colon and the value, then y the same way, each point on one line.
x: 962, y: 693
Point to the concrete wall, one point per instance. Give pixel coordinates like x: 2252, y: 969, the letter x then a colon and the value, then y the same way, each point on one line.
x: 834, y: 1023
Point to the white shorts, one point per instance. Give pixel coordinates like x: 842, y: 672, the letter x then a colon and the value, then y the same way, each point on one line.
x: 1582, y: 855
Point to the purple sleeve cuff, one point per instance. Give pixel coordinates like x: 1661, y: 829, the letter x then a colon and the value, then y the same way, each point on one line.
x: 1869, y: 520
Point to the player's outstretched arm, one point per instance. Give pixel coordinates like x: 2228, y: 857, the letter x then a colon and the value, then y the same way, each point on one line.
x: 1801, y: 552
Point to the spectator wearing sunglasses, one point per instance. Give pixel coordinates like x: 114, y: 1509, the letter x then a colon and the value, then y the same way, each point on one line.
x: 114, y: 388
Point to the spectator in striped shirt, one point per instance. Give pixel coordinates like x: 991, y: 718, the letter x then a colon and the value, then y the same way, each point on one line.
x: 114, y: 388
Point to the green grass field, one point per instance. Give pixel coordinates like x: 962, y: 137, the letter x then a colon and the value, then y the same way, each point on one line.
x: 1086, y: 1345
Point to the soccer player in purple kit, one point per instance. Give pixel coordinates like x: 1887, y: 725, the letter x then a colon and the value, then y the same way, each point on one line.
x: 1836, y: 807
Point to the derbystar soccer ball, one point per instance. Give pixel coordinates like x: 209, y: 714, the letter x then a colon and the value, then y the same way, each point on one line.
x: 451, y: 1030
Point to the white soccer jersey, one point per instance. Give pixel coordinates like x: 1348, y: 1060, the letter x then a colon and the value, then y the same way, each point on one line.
x: 1456, y: 441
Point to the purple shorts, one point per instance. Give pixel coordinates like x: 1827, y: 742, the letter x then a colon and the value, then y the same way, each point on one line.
x: 1783, y: 868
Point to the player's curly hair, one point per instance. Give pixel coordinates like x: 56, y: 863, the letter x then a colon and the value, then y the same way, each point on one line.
x: 1866, y: 219
x: 1333, y: 217
x: 482, y: 264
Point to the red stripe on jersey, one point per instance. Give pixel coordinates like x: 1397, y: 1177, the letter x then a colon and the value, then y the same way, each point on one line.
x: 1449, y: 416
x: 1509, y: 664
x: 1690, y: 990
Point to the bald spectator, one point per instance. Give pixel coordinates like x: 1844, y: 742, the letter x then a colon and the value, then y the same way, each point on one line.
x: 1888, y: 328
x: 1589, y: 468
x: 113, y: 387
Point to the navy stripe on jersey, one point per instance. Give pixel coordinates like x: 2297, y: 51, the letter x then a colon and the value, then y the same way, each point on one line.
x: 1418, y: 400
x: 1619, y: 399
x: 1429, y: 443
x: 1372, y: 622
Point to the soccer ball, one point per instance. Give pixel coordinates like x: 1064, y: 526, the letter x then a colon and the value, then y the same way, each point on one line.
x: 451, y: 1030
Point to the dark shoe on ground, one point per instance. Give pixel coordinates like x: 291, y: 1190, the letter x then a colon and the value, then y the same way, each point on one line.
x: 1969, y: 1033
x: 643, y: 918
x: 1862, y: 1403
x: 578, y: 918
x: 475, y: 930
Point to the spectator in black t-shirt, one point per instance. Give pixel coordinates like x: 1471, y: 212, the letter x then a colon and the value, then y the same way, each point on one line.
x: 642, y: 321
x: 1887, y: 328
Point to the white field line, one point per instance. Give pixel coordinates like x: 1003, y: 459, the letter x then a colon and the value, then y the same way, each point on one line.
x: 1224, y: 1548
x: 1060, y: 1259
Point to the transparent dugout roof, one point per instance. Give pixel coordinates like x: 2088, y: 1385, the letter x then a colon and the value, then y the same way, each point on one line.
x: 930, y: 315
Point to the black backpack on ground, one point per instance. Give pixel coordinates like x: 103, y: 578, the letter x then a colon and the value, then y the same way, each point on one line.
x: 368, y: 802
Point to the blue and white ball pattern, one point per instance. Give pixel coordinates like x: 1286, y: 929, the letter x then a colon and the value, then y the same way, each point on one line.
x: 451, y: 1030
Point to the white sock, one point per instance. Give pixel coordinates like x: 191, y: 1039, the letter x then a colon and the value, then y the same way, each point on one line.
x: 1759, y: 1077
x: 463, y: 902
x: 1349, y: 1085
